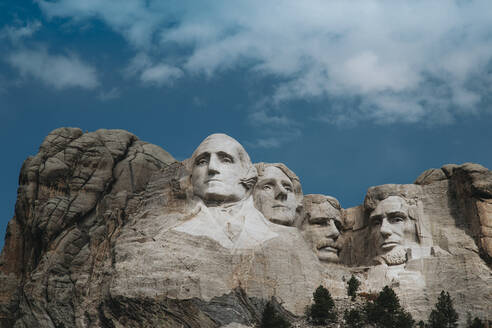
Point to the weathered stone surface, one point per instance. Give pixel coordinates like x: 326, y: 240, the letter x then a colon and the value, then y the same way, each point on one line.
x: 449, y: 255
x: 110, y: 231
x: 213, y: 242
x: 72, y: 196
x: 430, y: 176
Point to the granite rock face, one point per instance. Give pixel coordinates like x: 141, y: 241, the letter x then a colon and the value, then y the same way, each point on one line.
x: 110, y: 231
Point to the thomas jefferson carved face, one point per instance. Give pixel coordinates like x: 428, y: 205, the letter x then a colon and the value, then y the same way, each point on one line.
x: 392, y: 229
x: 219, y: 166
x: 275, y: 197
x: 321, y: 227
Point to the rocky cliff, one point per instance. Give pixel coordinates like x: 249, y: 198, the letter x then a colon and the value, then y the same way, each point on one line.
x: 111, y: 231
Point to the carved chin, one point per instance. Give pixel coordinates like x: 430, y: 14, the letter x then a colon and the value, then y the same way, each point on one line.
x: 328, y: 254
x: 397, y: 255
x: 281, y: 215
x: 217, y: 192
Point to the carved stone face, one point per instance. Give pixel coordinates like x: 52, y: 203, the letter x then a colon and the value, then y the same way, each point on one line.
x: 217, y: 170
x: 391, y: 227
x: 274, y: 196
x: 322, y: 227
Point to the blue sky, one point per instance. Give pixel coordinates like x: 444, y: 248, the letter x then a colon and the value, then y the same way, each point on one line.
x: 348, y: 94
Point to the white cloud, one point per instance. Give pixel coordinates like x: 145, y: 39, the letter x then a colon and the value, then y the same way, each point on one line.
x: 274, y: 128
x: 114, y: 93
x: 260, y: 117
x: 16, y: 34
x: 151, y: 73
x: 274, y: 138
x: 55, y: 70
x: 271, y: 142
x: 384, y: 52
x: 161, y: 74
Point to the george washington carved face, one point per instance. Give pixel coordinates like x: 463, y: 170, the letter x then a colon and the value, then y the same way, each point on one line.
x: 220, y: 169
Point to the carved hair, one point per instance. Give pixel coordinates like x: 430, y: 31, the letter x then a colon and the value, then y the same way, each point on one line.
x: 319, y: 199
x: 311, y: 199
x: 296, y: 183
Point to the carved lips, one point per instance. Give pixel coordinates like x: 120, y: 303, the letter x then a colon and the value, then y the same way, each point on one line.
x: 329, y: 247
x: 388, y: 245
x: 212, y: 180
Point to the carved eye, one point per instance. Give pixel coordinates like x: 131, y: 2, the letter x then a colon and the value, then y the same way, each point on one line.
x: 267, y: 186
x: 396, y: 219
x: 225, y: 158
x: 322, y: 222
x: 376, y: 221
x: 288, y: 187
x: 202, y: 161
x: 338, y: 225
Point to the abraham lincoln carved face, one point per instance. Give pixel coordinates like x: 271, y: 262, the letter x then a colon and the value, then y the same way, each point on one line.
x: 392, y: 228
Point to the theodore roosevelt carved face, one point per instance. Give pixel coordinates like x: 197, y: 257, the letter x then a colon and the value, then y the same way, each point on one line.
x: 392, y: 228
x: 278, y: 193
x: 322, y: 226
x: 222, y: 171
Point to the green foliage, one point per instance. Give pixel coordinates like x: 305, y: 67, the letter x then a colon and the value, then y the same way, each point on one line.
x: 386, y: 311
x: 323, y: 309
x: 444, y: 315
x: 421, y: 324
x: 272, y: 319
x: 476, y: 323
x: 352, y: 286
x: 353, y: 318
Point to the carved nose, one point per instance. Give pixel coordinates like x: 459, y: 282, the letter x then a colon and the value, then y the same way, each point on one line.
x: 385, y: 228
x: 213, y: 166
x: 333, y: 232
x: 280, y: 193
x: 212, y: 171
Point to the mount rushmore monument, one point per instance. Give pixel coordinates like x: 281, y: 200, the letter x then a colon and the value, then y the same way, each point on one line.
x: 111, y: 231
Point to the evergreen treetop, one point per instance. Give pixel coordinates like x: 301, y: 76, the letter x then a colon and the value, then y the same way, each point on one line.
x: 353, y: 318
x: 477, y: 323
x: 386, y: 311
x: 352, y: 286
x: 323, y: 309
x: 272, y: 319
x: 444, y: 315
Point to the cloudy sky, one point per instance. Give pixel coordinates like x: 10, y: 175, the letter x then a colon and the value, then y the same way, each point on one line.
x: 348, y: 94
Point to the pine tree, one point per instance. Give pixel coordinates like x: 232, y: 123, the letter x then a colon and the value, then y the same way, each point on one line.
x: 444, y: 315
x: 323, y: 309
x: 353, y: 318
x: 352, y: 286
x: 476, y: 323
x: 272, y: 319
x: 386, y: 311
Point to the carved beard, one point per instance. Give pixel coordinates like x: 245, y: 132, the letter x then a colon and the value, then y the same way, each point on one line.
x: 397, y: 255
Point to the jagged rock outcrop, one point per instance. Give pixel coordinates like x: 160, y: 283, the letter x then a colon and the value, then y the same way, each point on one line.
x: 470, y: 186
x: 110, y: 231
x: 72, y: 197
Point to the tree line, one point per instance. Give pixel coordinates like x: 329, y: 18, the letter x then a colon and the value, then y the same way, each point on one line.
x: 381, y: 311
